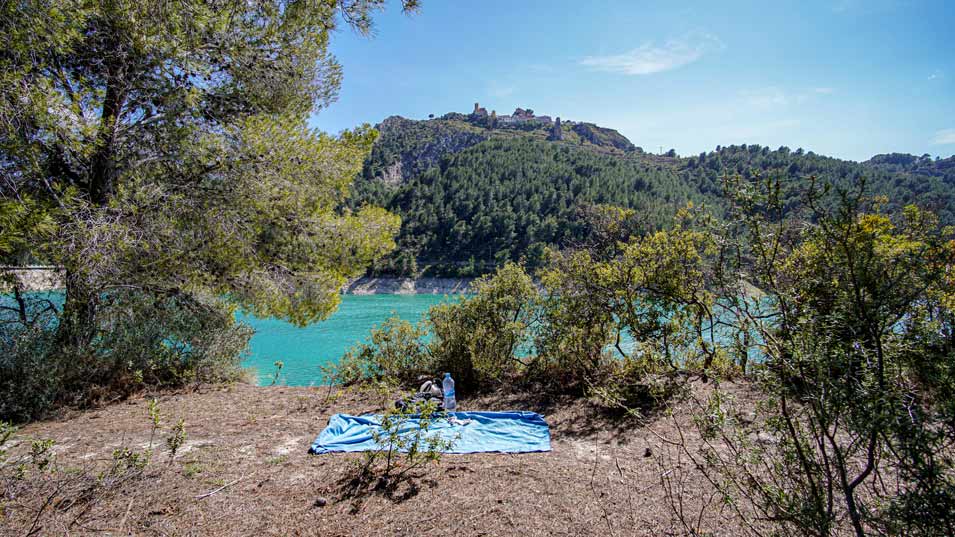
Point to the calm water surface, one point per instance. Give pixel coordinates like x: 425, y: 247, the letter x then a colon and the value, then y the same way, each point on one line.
x: 304, y: 350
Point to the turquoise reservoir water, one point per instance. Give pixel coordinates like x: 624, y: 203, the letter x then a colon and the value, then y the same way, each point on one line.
x: 304, y: 350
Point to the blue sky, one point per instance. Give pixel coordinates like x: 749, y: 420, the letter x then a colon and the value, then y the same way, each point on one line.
x: 847, y: 78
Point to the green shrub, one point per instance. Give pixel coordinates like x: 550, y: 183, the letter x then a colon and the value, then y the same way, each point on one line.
x: 854, y: 430
x: 397, y: 351
x: 635, y: 386
x: 31, y: 374
x: 651, y: 289
x: 404, y: 448
x: 564, y: 336
x: 479, y: 340
x: 578, y: 323
x: 141, y: 341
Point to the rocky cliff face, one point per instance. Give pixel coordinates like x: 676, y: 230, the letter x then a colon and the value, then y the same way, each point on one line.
x: 392, y: 174
x: 602, y: 136
x: 406, y: 147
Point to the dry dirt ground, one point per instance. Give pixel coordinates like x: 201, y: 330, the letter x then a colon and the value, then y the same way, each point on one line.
x: 248, y: 446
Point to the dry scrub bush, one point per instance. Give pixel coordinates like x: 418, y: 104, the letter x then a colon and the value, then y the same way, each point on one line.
x: 142, y: 341
x: 45, y: 497
x: 854, y: 338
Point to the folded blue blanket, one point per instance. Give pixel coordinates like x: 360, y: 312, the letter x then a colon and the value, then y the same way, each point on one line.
x: 503, y: 432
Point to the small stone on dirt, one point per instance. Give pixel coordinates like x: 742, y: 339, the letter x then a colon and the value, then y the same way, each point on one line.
x: 648, y: 453
x: 321, y: 502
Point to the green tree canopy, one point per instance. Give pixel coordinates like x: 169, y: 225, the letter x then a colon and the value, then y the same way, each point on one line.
x: 162, y: 148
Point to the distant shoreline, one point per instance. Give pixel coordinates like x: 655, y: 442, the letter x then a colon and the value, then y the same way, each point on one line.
x: 34, y: 278
x: 407, y: 286
x: 46, y: 278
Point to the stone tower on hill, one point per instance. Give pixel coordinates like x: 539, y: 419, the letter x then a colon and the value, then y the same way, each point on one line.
x: 555, y: 132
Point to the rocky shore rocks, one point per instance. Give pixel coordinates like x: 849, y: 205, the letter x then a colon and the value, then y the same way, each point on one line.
x: 32, y: 278
x: 49, y: 279
x: 408, y: 286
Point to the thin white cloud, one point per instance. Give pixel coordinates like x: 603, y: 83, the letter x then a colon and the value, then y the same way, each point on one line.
x: 650, y: 58
x: 501, y: 92
x: 944, y: 137
x: 765, y: 98
x: 935, y: 74
x: 774, y: 97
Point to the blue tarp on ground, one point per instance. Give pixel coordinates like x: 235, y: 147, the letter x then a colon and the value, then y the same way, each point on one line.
x: 502, y: 432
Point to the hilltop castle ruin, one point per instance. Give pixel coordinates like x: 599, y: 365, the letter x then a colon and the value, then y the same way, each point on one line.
x: 520, y: 115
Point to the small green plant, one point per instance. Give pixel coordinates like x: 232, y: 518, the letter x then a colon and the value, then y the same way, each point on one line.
x: 275, y: 461
x: 127, y: 462
x: 177, y: 436
x: 406, y: 442
x: 155, y: 419
x: 713, y: 415
x: 404, y: 445
x: 41, y: 454
x: 152, y: 408
x: 278, y: 371
x: 192, y: 469
x: 176, y: 439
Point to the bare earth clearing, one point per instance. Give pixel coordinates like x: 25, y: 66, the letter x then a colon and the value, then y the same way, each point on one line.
x: 602, y: 477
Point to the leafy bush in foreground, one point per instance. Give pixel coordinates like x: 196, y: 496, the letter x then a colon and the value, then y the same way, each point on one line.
x: 856, y: 332
x: 480, y: 339
x: 396, y: 352
x: 564, y: 336
x: 141, y: 341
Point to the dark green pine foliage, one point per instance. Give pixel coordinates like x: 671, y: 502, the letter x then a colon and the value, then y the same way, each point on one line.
x: 471, y: 198
x: 902, y: 179
x: 506, y: 198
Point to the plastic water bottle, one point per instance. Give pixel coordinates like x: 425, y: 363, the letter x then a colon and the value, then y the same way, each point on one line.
x: 450, y: 404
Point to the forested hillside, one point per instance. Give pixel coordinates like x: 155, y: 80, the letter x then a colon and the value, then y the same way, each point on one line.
x: 506, y: 198
x: 903, y: 179
x: 472, y: 195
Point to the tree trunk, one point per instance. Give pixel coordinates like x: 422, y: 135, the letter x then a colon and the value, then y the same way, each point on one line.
x: 78, y: 321
x: 103, y: 166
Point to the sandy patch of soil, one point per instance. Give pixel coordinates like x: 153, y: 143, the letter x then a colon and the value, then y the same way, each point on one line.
x: 602, y: 476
